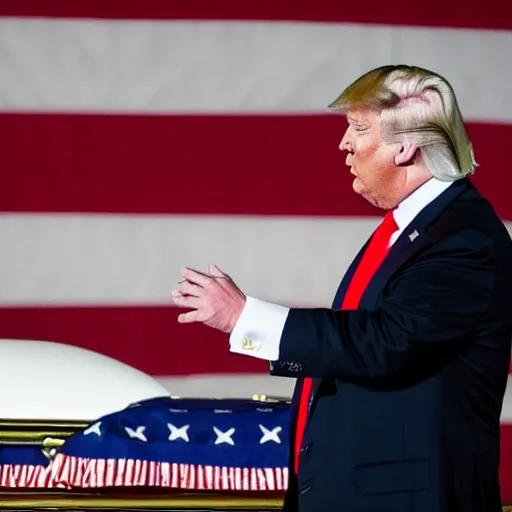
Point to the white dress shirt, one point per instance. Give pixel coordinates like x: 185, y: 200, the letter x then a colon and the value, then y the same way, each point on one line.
x: 258, y: 331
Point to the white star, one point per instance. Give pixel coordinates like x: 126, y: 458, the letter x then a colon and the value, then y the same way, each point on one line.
x: 224, y: 437
x: 178, y: 432
x: 270, y: 435
x: 93, y: 429
x: 137, y: 434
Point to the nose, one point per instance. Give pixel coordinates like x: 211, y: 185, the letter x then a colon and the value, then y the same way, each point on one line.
x: 345, y: 144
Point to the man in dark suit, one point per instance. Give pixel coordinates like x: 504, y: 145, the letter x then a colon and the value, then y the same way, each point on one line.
x: 400, y: 384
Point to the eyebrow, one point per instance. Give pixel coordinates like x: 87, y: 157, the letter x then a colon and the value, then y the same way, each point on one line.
x: 356, y: 121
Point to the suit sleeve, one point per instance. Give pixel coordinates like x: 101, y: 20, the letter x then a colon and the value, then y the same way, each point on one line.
x: 429, y: 309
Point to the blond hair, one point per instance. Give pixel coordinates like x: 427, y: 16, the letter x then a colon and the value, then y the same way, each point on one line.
x: 417, y: 106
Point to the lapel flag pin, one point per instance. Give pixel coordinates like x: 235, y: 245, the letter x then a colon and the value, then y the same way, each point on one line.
x: 414, y: 235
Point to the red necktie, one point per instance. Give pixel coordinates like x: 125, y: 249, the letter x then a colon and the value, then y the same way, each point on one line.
x: 373, y: 256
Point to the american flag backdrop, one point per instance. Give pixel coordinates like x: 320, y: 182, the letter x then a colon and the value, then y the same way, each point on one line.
x: 140, y: 136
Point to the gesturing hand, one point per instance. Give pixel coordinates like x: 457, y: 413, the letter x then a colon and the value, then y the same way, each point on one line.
x: 215, y: 299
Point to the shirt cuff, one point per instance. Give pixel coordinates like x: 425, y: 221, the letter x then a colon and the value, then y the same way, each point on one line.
x: 257, y: 332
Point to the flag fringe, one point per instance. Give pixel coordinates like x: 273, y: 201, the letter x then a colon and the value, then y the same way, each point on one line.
x: 68, y: 472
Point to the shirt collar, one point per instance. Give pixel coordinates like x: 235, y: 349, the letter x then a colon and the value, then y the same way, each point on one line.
x: 407, y: 210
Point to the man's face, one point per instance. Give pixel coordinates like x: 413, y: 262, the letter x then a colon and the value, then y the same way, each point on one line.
x: 371, y: 160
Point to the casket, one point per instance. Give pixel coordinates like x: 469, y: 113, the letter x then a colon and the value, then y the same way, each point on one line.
x: 82, y: 431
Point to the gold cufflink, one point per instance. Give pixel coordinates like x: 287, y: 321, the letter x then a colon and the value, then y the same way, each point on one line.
x: 247, y: 344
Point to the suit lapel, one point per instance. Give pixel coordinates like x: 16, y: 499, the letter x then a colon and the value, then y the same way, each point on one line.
x: 419, y: 233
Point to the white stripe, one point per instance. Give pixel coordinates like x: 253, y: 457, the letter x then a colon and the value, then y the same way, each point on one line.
x: 115, y: 260
x: 136, y: 259
x: 249, y: 385
x: 214, y: 66
x: 228, y: 386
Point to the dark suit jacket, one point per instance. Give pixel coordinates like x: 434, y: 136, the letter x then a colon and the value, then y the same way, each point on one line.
x: 408, y: 390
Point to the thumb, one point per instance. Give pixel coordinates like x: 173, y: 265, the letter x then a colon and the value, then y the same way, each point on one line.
x: 216, y: 271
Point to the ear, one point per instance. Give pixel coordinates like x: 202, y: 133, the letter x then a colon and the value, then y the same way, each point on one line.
x: 407, y: 154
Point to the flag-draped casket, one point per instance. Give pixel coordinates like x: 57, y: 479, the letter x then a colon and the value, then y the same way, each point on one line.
x: 100, y: 433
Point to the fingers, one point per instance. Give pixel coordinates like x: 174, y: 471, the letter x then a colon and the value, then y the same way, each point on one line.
x: 187, y: 288
x: 186, y: 301
x: 198, y: 291
x: 198, y: 279
x: 195, y: 276
x: 191, y: 316
x: 216, y: 271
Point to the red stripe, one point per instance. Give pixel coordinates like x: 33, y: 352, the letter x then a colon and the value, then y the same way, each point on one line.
x: 147, y: 338
x: 263, y: 165
x: 447, y: 13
